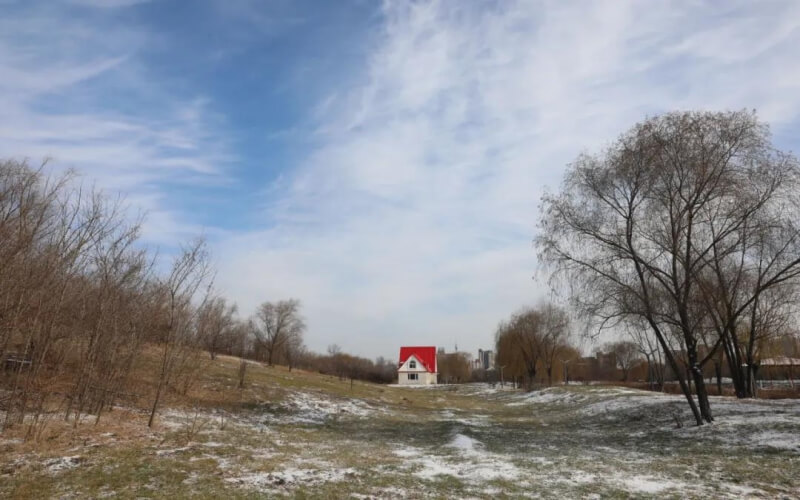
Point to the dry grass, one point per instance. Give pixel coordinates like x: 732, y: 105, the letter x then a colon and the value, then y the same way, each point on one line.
x: 306, y: 435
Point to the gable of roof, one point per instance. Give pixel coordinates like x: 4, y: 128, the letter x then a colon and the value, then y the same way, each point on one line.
x: 425, y: 354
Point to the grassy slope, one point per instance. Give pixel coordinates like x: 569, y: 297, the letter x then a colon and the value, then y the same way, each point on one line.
x: 308, y: 436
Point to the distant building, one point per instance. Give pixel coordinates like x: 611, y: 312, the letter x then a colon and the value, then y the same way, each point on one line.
x: 485, y: 360
x: 417, y: 366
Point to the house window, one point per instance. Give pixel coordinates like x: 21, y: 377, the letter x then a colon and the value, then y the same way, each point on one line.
x: 413, y: 376
x: 412, y: 364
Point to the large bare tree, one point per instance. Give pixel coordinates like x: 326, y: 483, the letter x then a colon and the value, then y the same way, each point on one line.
x: 633, y: 231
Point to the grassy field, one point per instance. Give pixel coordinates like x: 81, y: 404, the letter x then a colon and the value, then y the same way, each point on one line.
x: 305, y: 435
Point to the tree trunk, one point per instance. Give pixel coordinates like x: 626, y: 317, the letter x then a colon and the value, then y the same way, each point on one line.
x: 687, y: 390
x: 155, y: 403
x: 242, y: 372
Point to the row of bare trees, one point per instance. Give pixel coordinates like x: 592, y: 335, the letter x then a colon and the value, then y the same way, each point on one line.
x: 348, y: 367
x: 532, y: 341
x: 81, y: 298
x: 688, y: 225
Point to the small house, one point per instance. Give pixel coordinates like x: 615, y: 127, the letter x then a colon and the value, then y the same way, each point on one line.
x: 417, y: 366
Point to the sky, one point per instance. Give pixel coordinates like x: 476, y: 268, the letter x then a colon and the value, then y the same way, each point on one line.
x: 382, y: 162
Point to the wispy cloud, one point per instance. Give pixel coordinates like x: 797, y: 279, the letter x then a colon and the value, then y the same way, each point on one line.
x: 412, y: 220
x: 74, y: 89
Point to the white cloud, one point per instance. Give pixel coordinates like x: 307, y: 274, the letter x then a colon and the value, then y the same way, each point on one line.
x: 74, y: 90
x: 412, y: 220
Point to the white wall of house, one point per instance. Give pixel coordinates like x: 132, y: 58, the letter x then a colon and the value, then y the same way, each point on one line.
x: 412, y: 372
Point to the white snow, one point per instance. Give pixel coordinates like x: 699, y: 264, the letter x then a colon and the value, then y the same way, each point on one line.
x: 291, y: 476
x: 776, y: 439
x: 465, y: 443
x: 469, y: 463
x: 55, y: 465
x: 647, y: 484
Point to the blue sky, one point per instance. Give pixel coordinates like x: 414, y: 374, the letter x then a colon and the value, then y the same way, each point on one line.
x: 380, y: 161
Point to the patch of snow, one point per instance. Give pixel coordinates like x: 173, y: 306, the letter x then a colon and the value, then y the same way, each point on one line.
x: 291, y: 476
x: 407, y: 452
x: 306, y: 407
x: 469, y: 464
x: 55, y: 465
x: 465, y: 444
x: 776, y: 439
x: 648, y: 484
x: 552, y: 395
x: 212, y: 444
x: 172, y: 451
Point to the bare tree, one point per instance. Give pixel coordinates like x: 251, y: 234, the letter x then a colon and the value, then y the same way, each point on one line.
x: 80, y: 297
x: 453, y: 367
x: 647, y: 345
x: 633, y: 230
x: 276, y: 325
x: 626, y: 354
x: 293, y: 351
x: 179, y: 288
x: 215, y: 322
x: 532, y: 340
x: 240, y: 332
x: 554, y: 335
x: 525, y: 333
x: 509, y: 358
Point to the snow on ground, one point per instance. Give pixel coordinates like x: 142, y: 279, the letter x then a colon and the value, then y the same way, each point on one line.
x: 312, y: 408
x: 546, y: 396
x: 646, y: 484
x: 291, y: 476
x: 626, y: 401
x: 779, y: 440
x: 560, y: 440
x: 486, y: 389
x: 468, y: 419
x: 56, y: 465
x: 465, y: 444
x: 463, y: 458
x: 296, y: 407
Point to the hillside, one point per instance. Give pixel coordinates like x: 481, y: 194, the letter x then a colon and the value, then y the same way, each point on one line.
x: 302, y: 435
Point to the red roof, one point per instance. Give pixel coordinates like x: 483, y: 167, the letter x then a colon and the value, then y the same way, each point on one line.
x: 425, y: 354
